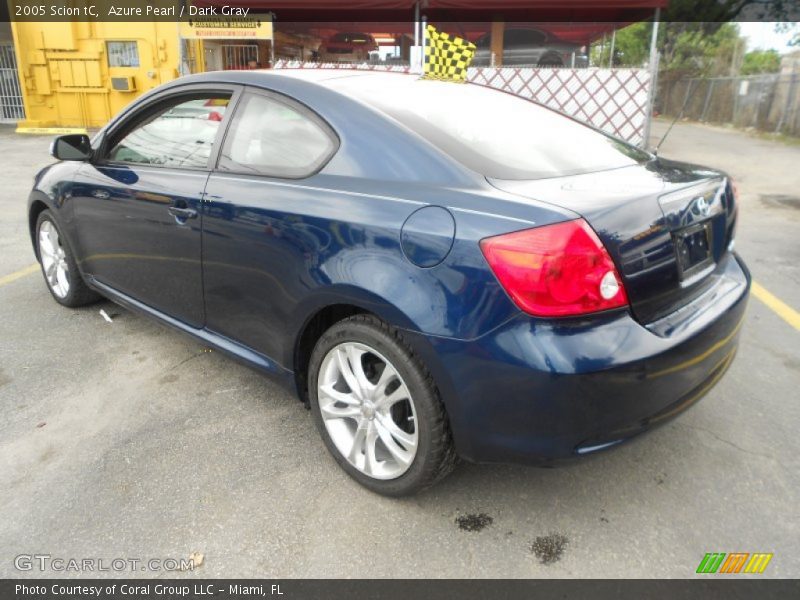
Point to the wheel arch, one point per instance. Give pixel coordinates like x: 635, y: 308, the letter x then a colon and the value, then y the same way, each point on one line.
x: 325, y: 316
x: 309, y: 334
x: 36, y: 207
x: 317, y: 314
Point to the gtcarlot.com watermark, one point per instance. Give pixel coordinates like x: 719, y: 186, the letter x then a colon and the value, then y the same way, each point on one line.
x: 58, y: 564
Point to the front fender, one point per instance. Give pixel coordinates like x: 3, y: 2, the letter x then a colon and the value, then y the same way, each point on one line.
x: 51, y: 191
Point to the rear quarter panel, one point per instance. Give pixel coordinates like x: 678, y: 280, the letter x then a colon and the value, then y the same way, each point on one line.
x: 303, y: 246
x: 334, y: 237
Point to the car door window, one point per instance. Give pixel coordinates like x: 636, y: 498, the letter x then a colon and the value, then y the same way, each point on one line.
x: 179, y: 135
x: 270, y: 137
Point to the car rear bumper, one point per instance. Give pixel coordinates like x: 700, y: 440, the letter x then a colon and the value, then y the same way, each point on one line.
x: 540, y: 391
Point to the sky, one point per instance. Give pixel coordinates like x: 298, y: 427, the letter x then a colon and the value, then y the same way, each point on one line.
x: 762, y: 36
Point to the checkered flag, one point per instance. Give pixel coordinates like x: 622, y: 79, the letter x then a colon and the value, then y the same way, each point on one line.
x: 446, y: 56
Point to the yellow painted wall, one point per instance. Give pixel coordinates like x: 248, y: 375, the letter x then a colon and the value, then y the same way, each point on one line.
x: 64, y: 71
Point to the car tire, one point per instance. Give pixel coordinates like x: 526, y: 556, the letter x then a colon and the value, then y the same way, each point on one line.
x: 418, y: 421
x: 551, y: 62
x: 60, y: 271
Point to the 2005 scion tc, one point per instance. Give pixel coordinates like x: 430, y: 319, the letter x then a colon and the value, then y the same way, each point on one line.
x: 438, y: 270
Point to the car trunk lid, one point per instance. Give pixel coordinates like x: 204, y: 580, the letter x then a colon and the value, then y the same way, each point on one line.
x: 666, y: 225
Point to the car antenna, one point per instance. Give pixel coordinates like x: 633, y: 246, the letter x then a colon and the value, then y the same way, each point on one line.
x: 661, y: 141
x: 675, y: 120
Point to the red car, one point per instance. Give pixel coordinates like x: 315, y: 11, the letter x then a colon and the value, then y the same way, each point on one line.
x: 348, y: 47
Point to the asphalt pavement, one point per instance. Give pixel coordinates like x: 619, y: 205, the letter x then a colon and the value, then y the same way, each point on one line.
x: 127, y: 440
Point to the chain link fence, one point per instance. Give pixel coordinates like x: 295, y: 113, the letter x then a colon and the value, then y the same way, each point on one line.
x: 769, y: 102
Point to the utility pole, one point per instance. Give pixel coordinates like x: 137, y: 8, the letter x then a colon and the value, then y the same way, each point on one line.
x: 735, y: 59
x: 651, y: 92
x: 789, y: 97
x: 417, y: 52
x: 613, y: 41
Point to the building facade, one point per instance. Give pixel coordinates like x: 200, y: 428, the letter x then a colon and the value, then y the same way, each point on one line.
x: 77, y: 75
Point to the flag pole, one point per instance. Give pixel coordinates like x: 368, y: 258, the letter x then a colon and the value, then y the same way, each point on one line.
x: 415, y: 64
x: 423, y: 41
x: 653, y: 67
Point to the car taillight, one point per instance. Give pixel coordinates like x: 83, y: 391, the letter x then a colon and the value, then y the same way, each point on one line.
x: 556, y: 270
x: 734, y: 217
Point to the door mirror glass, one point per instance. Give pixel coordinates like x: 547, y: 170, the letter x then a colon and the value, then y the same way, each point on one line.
x: 75, y: 146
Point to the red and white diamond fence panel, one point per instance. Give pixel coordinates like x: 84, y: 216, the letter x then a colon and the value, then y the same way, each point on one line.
x: 613, y: 100
x: 296, y: 64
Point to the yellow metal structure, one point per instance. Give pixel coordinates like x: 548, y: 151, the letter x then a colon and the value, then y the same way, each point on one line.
x: 80, y: 74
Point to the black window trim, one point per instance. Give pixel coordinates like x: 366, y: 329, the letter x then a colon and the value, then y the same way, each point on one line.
x: 131, y: 119
x: 292, y: 103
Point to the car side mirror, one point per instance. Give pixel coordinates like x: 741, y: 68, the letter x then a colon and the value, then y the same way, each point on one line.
x: 75, y: 146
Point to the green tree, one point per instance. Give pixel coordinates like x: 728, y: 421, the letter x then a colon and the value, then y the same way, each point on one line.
x: 631, y: 46
x: 695, y: 37
x: 708, y: 16
x: 761, y: 61
x: 689, y: 49
x: 789, y: 27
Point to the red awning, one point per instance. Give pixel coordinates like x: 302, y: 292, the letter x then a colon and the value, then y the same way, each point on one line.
x: 578, y: 21
x: 578, y: 33
x: 455, y: 10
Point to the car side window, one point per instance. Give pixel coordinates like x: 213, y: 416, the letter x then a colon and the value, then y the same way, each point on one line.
x: 179, y: 135
x: 270, y: 137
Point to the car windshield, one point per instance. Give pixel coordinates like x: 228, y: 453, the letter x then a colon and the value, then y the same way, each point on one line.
x: 496, y: 134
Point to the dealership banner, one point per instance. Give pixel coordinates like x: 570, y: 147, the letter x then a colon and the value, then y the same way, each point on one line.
x: 236, y: 28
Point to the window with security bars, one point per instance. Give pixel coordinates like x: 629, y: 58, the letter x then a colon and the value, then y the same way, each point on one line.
x: 122, y: 54
x: 11, y: 106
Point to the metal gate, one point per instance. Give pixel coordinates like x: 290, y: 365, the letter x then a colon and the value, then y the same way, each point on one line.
x: 239, y: 56
x: 11, y: 106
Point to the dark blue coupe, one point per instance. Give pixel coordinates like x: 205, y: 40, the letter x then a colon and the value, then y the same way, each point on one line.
x: 438, y: 270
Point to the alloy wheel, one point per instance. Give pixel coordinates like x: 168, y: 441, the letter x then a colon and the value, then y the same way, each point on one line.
x: 54, y: 259
x: 367, y: 410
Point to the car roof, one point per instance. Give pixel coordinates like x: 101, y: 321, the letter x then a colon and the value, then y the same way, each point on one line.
x: 366, y: 86
x: 266, y: 77
x: 340, y: 80
x: 356, y: 82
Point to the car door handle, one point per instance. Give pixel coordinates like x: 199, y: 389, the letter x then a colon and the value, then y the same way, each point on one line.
x: 182, y: 213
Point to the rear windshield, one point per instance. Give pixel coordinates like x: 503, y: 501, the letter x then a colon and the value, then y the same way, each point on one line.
x: 494, y: 133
